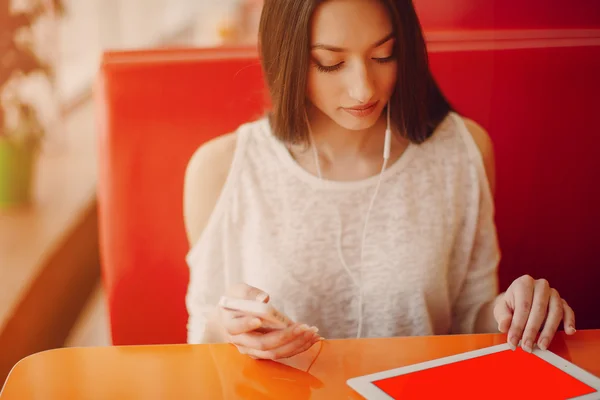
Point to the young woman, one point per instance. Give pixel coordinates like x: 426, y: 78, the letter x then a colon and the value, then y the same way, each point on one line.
x: 362, y: 206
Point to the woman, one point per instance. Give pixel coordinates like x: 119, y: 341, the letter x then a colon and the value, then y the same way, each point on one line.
x: 362, y: 206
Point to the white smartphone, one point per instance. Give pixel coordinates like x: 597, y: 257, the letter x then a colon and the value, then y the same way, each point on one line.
x: 269, y: 315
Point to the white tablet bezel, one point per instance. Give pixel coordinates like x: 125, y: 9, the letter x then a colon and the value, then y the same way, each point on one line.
x: 364, y: 386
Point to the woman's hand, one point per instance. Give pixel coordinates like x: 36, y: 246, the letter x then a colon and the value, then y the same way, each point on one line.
x: 245, y: 332
x: 529, y: 306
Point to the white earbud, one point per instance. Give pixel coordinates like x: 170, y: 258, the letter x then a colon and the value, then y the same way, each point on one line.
x: 387, y: 145
x: 386, y: 155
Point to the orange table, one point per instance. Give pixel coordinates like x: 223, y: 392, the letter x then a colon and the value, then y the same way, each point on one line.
x: 220, y: 372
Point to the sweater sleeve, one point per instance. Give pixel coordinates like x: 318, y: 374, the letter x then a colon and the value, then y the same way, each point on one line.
x: 477, y: 252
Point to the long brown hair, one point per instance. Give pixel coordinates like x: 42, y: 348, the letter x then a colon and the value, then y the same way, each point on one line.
x: 418, y: 105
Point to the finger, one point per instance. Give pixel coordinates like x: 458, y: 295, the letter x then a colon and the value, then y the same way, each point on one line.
x: 246, y: 351
x: 227, y: 314
x: 555, y: 315
x: 537, y: 315
x: 307, y: 346
x: 244, y: 291
x: 297, y: 346
x: 273, y: 339
x: 569, y: 317
x: 523, y: 294
x: 239, y: 325
x: 503, y: 315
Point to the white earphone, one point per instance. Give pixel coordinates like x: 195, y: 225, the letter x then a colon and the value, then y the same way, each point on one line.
x: 386, y: 156
x: 387, y: 144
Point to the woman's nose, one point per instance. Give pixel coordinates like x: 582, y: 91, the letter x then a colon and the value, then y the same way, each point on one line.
x: 361, y: 88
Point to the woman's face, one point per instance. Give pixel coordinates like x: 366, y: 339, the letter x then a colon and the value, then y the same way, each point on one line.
x: 353, y: 63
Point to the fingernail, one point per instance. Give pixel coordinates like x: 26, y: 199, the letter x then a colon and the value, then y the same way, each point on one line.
x: 261, y: 297
x: 572, y: 328
x: 543, y: 344
x: 528, y: 346
x: 314, y: 329
x: 255, y: 323
x: 301, y: 328
x: 513, y: 342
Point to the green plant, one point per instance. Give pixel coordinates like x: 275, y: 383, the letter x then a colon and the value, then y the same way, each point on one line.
x: 18, y: 58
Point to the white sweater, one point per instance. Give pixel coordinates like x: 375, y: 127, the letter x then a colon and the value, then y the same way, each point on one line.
x: 430, y: 255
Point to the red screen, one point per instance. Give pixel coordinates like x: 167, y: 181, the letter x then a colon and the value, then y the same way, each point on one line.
x: 501, y: 375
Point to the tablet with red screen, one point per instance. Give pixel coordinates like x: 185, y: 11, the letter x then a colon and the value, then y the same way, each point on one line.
x: 492, y: 373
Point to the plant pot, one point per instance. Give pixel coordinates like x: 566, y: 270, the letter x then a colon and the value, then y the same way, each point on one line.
x: 17, y: 165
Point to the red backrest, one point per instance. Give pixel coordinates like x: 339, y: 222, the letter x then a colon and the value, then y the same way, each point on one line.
x: 539, y: 107
x: 155, y: 109
x: 537, y: 98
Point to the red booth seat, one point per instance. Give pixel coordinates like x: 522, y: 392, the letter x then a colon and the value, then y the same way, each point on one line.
x: 538, y: 100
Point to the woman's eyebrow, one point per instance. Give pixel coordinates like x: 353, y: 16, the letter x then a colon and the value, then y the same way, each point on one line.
x: 321, y: 46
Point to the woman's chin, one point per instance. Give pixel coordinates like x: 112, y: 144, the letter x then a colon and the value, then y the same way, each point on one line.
x: 356, y: 123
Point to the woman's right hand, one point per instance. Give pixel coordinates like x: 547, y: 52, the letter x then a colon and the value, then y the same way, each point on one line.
x: 245, y: 333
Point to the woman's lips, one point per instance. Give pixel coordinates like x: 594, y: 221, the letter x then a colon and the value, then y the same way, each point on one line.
x: 362, y: 111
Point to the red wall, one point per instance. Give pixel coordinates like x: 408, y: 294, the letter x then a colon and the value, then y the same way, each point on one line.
x: 508, y: 14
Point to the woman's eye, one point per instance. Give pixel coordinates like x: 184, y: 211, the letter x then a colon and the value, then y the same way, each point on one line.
x: 331, y: 68
x: 385, y: 59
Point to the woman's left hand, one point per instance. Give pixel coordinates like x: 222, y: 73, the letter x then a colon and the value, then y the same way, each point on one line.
x: 528, y: 306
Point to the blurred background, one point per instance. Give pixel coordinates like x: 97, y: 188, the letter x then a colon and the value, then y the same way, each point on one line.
x: 60, y: 92
x: 50, y: 54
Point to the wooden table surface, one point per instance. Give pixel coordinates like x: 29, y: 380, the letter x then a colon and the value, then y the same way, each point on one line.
x: 218, y: 371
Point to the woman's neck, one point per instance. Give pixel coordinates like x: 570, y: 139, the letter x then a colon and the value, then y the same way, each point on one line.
x: 336, y: 143
x: 346, y: 155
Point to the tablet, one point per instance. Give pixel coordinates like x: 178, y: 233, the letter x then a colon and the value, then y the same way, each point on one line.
x: 495, y: 372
